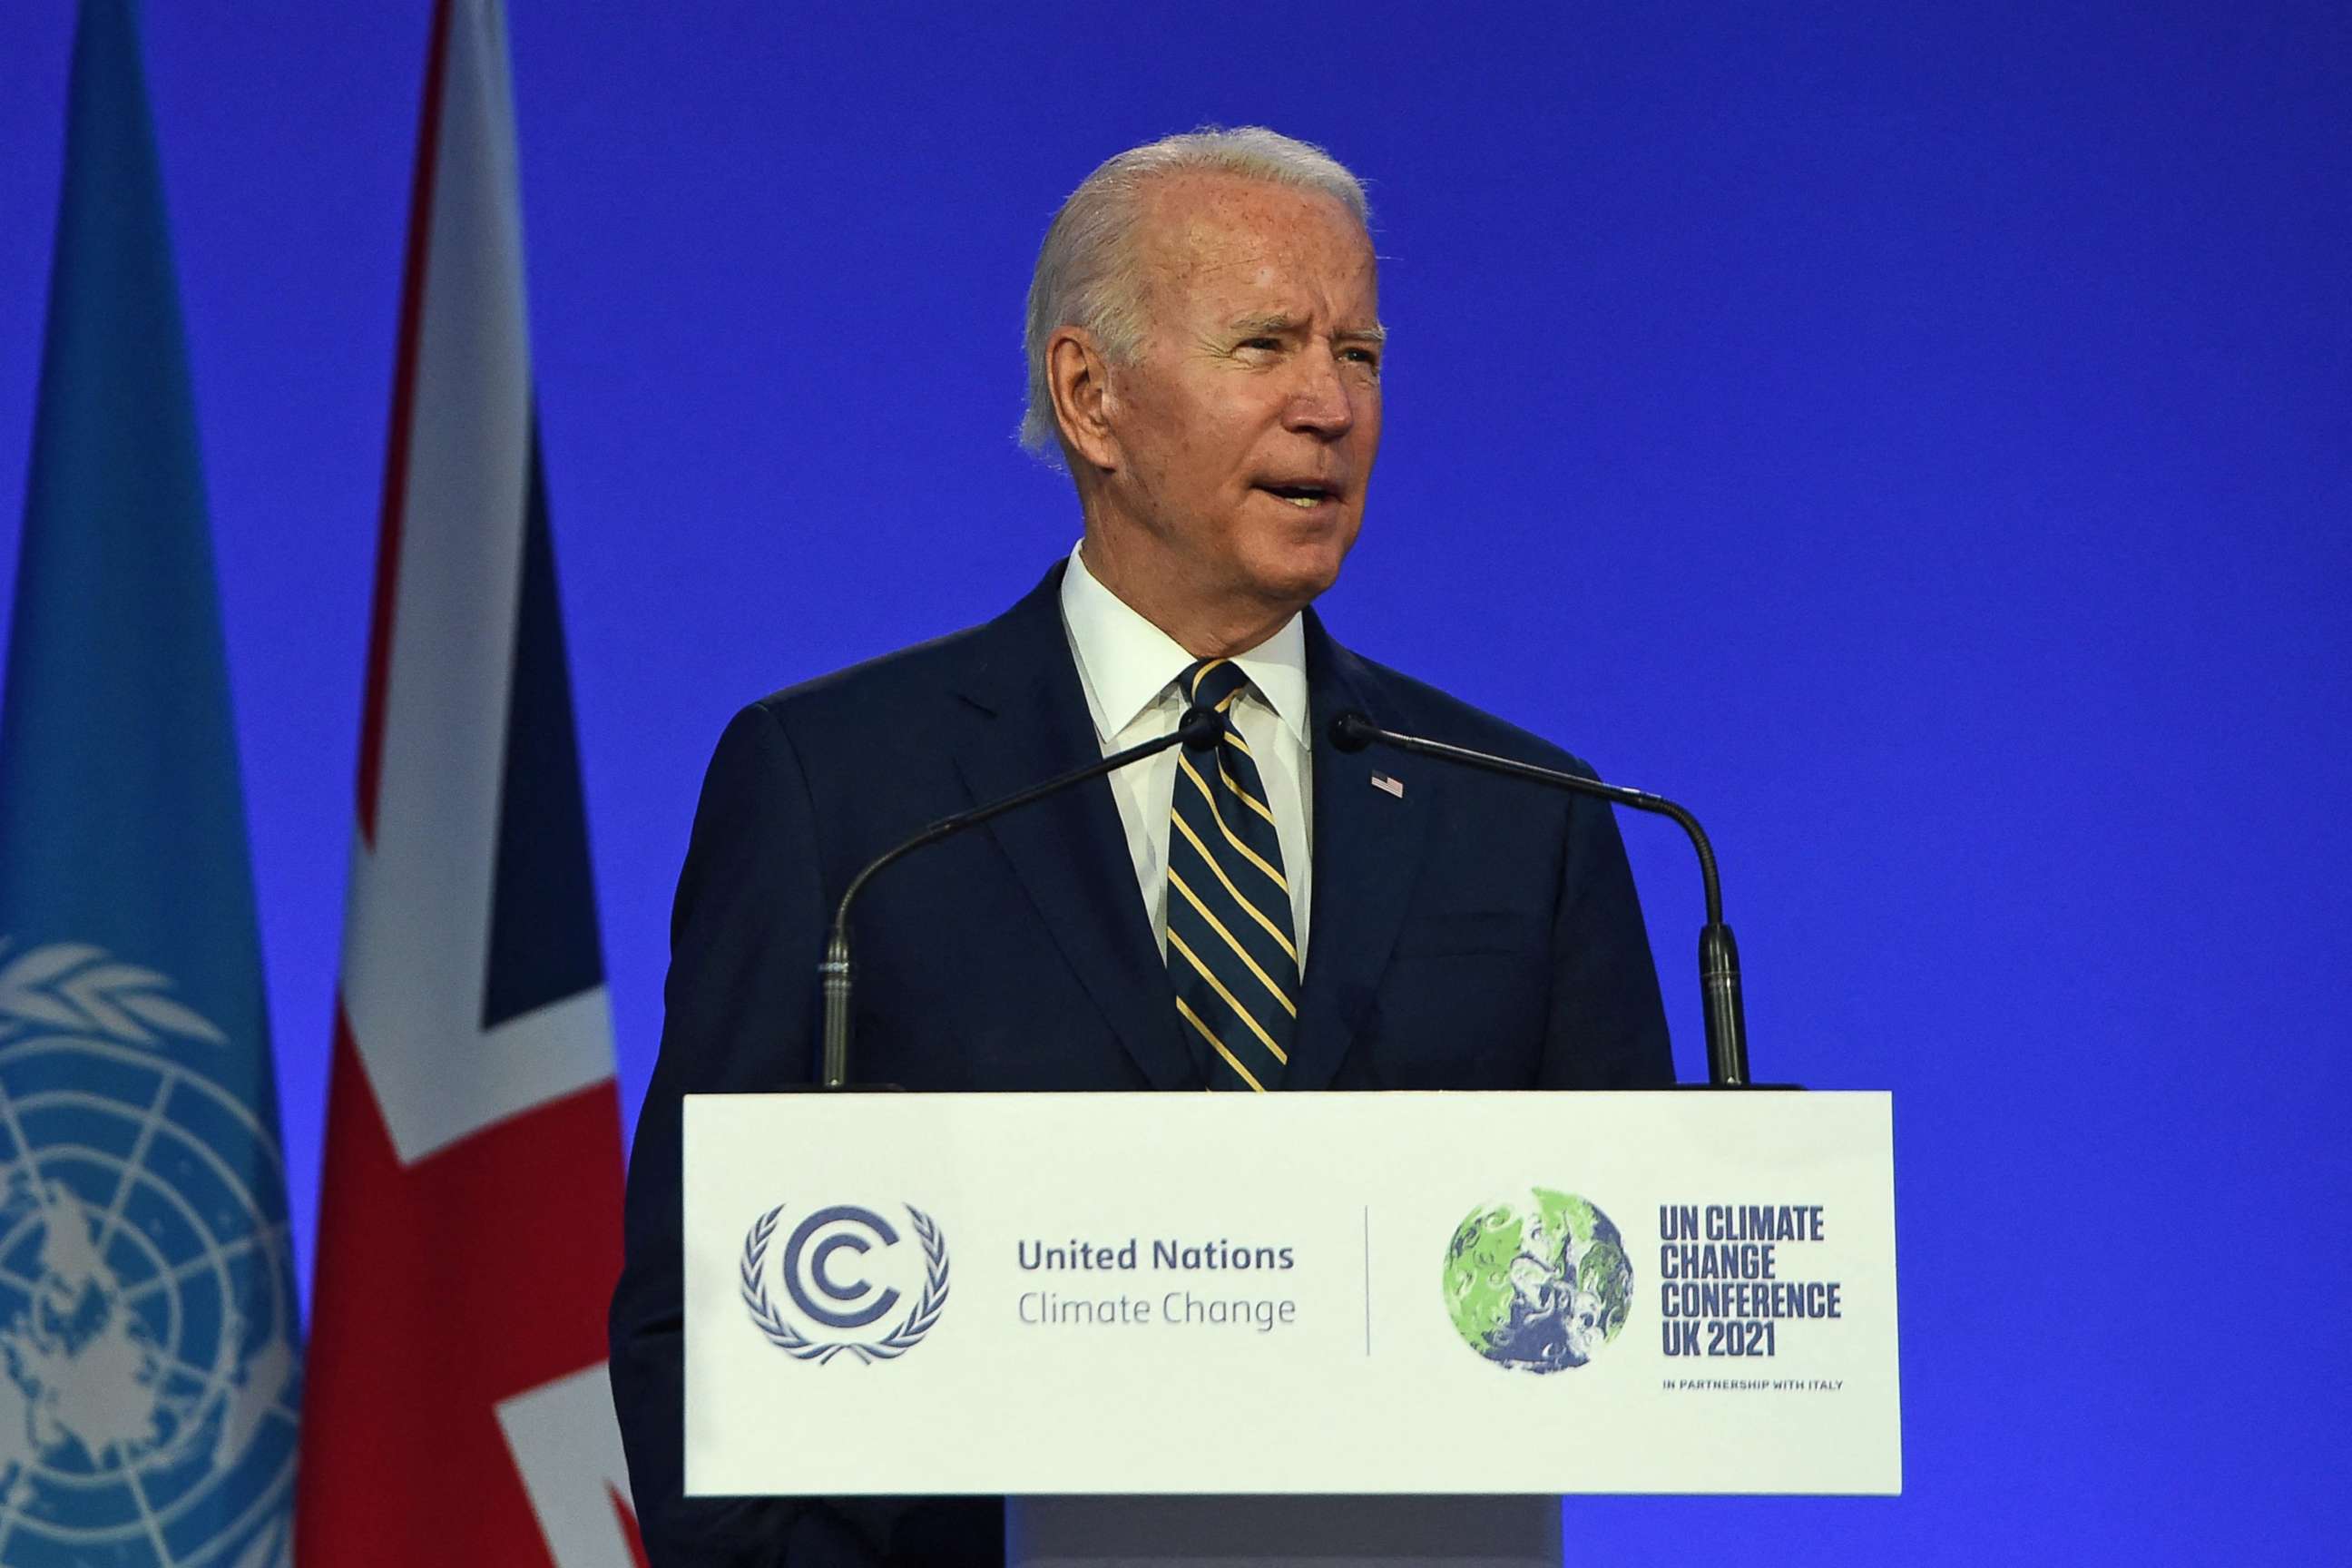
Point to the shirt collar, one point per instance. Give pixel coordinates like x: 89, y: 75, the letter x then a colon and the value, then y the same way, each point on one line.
x: 1127, y: 664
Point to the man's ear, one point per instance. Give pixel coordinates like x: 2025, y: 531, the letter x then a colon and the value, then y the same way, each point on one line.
x: 1079, y: 378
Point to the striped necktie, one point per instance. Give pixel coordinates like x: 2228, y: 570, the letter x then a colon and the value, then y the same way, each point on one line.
x: 1229, y: 949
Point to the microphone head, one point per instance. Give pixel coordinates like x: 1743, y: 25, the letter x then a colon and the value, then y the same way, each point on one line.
x: 1202, y: 729
x: 1351, y: 731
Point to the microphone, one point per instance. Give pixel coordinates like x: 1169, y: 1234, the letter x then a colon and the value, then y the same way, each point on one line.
x: 1718, y: 955
x: 1199, y: 730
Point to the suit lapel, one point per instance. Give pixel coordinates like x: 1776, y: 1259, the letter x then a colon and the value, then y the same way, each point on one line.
x: 1368, y: 849
x: 1069, y: 852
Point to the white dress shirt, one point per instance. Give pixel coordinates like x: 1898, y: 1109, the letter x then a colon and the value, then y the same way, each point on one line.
x: 1128, y: 668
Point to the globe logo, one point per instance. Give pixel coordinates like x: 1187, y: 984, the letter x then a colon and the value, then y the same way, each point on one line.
x: 1539, y: 1285
x: 148, y: 1375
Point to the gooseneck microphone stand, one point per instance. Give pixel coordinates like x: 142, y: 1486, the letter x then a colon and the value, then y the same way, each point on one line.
x: 1199, y: 730
x: 1718, y: 955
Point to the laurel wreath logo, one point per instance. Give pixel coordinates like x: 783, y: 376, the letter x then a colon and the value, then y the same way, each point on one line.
x: 792, y: 1343
x: 73, y: 986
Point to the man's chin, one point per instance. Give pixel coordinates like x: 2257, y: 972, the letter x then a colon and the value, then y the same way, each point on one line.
x: 1301, y: 567
x: 1298, y: 577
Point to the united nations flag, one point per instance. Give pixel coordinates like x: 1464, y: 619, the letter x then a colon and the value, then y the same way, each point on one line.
x: 149, y: 1338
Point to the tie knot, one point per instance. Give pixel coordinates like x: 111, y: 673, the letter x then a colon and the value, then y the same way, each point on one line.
x: 1212, y: 682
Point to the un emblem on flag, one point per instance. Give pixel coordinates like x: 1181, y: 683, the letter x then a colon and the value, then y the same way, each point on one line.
x: 149, y: 1376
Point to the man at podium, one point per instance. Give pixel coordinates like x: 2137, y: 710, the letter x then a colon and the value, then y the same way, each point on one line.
x: 1204, y: 350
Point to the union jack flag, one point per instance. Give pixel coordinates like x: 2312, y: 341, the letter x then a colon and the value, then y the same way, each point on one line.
x: 470, y: 1214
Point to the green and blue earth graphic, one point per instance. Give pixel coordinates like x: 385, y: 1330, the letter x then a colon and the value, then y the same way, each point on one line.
x: 1539, y: 1285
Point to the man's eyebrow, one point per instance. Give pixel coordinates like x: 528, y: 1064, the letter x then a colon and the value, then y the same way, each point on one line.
x: 1276, y: 324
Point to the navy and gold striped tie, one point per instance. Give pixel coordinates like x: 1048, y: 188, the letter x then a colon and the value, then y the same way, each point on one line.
x: 1230, y: 948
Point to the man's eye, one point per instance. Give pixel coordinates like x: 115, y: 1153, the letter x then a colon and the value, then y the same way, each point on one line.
x: 1268, y: 344
x: 1365, y: 357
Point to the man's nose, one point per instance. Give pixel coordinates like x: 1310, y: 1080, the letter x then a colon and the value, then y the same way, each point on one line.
x: 1322, y: 403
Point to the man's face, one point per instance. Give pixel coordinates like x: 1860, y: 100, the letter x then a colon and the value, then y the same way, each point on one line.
x: 1247, y: 431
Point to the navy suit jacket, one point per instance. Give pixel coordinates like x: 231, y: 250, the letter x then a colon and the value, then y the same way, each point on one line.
x: 1473, y: 933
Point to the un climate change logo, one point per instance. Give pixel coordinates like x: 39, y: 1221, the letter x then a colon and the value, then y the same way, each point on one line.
x: 1539, y: 1285
x: 837, y: 1297
x: 148, y: 1370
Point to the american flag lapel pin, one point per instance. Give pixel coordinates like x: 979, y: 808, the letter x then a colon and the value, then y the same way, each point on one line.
x: 1393, y: 786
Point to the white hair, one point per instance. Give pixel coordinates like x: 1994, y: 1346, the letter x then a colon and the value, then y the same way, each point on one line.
x: 1087, y: 272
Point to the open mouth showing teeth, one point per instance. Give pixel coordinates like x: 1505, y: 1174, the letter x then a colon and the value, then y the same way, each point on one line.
x: 1301, y: 496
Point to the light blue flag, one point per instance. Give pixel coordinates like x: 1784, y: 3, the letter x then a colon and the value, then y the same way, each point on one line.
x: 148, y: 1335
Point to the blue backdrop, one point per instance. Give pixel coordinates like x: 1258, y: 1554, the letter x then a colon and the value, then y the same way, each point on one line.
x: 1915, y: 435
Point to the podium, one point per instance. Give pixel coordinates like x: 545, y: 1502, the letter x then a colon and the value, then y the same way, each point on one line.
x: 1409, y: 1294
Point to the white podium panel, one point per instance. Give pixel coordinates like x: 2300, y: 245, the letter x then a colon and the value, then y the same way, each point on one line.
x: 1307, y: 1293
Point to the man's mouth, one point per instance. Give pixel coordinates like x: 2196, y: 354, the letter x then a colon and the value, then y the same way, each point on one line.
x: 1305, y: 494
